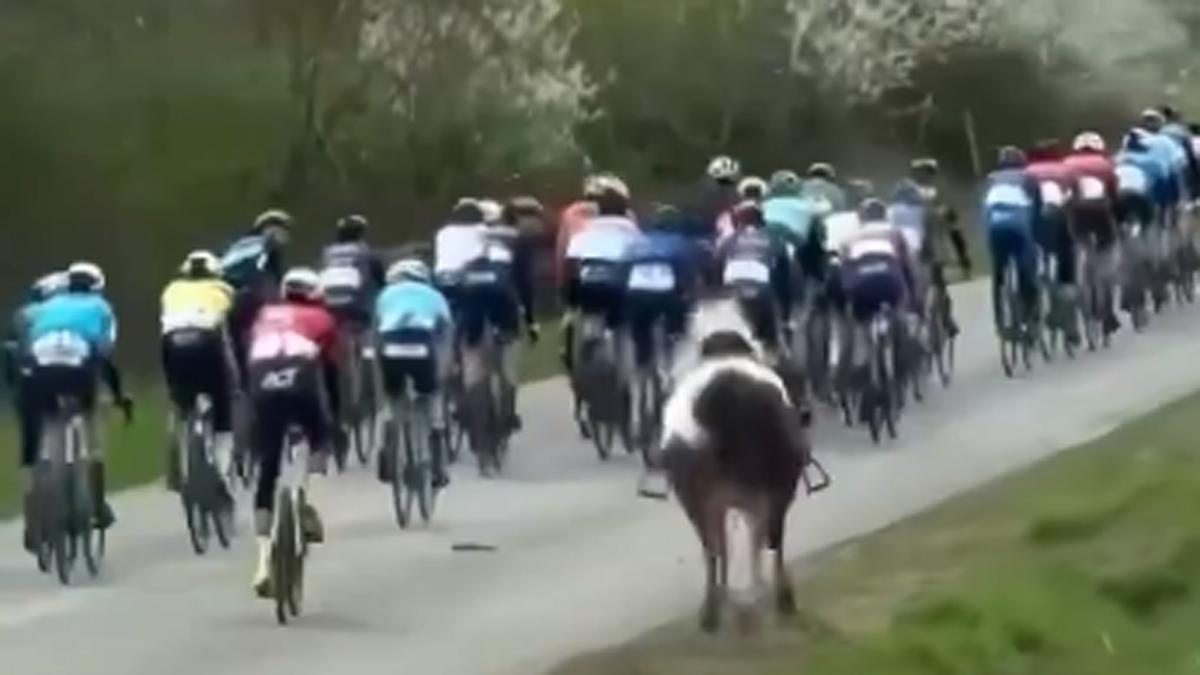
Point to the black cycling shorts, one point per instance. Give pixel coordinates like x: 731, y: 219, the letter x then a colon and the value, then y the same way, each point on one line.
x: 597, y: 288
x: 644, y: 309
x: 288, y: 393
x: 194, y: 363
x: 487, y: 297
x: 44, y: 388
x: 408, y: 355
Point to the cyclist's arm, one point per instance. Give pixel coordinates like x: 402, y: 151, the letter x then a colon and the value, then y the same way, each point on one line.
x: 377, y: 272
x: 523, y: 255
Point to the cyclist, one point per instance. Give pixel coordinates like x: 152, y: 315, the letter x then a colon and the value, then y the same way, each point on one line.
x: 919, y: 208
x: 460, y: 241
x: 253, y: 266
x: 1170, y: 153
x: 197, y: 357
x: 877, y: 270
x: 352, y: 274
x: 497, y: 291
x: 294, y: 381
x: 18, y: 372
x: 414, y: 331
x: 598, y: 271
x: 822, y: 190
x: 795, y: 221
x: 1094, y: 203
x: 1143, y: 183
x: 1058, y: 182
x: 1012, y: 205
x: 719, y: 193
x: 572, y: 220
x: 663, y: 284
x: 71, y: 336
x: 757, y: 269
x: 351, y: 277
x: 1177, y: 129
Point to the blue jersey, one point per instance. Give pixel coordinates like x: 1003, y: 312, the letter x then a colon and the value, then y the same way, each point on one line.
x: 1160, y: 182
x: 73, y: 322
x: 662, y: 262
x: 410, y: 304
x: 1011, y: 201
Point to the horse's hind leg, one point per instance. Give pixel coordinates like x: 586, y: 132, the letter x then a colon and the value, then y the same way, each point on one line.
x: 785, y: 596
x: 710, y: 611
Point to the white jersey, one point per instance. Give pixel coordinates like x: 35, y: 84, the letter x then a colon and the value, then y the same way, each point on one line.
x: 457, y: 246
x: 607, y: 238
x: 840, y: 228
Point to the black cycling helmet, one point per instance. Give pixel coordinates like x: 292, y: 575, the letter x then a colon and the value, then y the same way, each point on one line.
x: 612, y: 202
x: 1171, y: 113
x: 872, y: 210
x: 352, y: 227
x: 1011, y: 157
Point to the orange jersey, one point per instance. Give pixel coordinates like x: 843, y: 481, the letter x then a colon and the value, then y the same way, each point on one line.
x: 573, y: 219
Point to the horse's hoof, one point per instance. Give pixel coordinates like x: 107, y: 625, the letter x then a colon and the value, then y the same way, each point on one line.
x: 749, y: 622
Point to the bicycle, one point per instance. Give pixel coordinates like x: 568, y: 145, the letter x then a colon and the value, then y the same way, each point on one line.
x: 650, y: 391
x: 65, y: 519
x: 360, y: 405
x: 487, y: 406
x: 207, y: 508
x: 407, y: 441
x: 939, y: 338
x: 289, y: 550
x: 597, y: 381
x: 879, y: 399
x: 1018, y: 331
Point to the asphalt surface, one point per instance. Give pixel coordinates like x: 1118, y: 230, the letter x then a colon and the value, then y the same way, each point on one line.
x: 579, y: 561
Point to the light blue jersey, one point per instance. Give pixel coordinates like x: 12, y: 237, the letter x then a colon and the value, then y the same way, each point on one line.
x: 791, y: 215
x: 410, y: 304
x: 70, y: 329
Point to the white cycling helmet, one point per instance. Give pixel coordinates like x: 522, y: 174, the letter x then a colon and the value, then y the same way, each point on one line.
x: 751, y: 186
x: 88, y: 275
x: 201, y: 264
x: 50, y: 285
x: 1091, y: 141
x: 273, y: 218
x: 724, y: 168
x: 608, y: 182
x: 492, y: 211
x: 409, y: 269
x: 303, y: 283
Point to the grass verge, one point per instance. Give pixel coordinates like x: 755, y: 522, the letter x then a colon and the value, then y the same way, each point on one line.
x: 1087, y: 564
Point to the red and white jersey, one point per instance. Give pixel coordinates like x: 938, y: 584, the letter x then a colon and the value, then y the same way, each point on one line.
x: 292, y: 330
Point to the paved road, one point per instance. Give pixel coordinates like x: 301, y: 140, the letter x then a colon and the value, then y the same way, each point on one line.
x: 580, y: 562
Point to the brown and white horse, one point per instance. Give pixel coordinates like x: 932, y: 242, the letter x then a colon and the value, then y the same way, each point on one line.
x: 735, y: 451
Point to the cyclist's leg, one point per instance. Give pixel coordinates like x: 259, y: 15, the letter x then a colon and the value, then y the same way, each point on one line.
x: 1001, y: 248
x: 1066, y: 262
x: 216, y: 383
x: 81, y: 383
x: 505, y: 315
x: 426, y: 380
x: 267, y: 436
x: 34, y: 404
x: 1026, y: 260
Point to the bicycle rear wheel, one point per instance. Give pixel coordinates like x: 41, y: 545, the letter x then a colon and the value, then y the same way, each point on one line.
x: 283, y: 555
x: 419, y: 467
x: 396, y: 443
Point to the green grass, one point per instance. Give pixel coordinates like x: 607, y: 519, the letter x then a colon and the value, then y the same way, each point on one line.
x: 135, y: 452
x: 1088, y: 564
